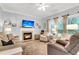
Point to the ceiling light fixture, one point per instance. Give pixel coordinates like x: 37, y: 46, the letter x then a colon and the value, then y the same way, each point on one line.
x: 42, y: 6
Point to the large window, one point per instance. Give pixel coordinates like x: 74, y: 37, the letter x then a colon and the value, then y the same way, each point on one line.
x: 60, y: 25
x: 73, y: 20
x: 51, y: 24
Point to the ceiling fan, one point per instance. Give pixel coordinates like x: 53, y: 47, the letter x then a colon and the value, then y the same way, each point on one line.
x: 42, y: 6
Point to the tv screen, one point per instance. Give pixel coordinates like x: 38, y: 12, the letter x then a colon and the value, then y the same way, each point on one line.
x: 27, y: 23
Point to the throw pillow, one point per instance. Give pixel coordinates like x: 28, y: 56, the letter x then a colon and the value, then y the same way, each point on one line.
x: 4, y: 43
x: 61, y: 42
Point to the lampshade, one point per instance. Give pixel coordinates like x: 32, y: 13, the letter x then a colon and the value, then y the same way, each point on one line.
x: 7, y: 30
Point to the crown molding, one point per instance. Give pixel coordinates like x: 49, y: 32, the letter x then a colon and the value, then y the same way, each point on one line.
x: 7, y: 10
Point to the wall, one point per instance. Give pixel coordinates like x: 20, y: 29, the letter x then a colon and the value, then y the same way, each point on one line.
x: 17, y: 19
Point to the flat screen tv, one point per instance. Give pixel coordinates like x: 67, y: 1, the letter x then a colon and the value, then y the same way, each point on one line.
x: 27, y: 23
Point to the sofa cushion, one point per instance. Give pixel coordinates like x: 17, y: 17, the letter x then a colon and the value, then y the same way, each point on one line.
x: 55, y: 47
x: 10, y: 36
x: 75, y: 49
x: 74, y: 40
x: 0, y: 42
x: 3, y: 36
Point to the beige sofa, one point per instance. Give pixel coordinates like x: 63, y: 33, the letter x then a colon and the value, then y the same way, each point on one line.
x: 14, y: 49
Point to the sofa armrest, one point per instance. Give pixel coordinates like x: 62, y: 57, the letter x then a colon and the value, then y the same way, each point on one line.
x: 2, y: 48
x: 13, y: 51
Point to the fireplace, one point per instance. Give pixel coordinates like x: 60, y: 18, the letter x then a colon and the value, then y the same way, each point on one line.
x: 27, y: 35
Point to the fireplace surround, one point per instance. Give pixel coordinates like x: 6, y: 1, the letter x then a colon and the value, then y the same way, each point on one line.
x: 27, y: 33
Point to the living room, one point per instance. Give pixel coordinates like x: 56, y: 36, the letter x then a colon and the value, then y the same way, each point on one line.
x: 39, y: 29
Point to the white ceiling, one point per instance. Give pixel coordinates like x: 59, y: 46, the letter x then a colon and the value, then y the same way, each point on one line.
x: 31, y: 8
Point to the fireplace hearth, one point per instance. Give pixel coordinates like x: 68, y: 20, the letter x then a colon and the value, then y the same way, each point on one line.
x: 27, y: 35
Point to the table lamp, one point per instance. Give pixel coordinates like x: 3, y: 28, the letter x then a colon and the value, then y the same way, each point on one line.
x: 7, y: 31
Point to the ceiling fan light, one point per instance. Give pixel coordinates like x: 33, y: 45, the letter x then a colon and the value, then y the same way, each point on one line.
x: 42, y: 8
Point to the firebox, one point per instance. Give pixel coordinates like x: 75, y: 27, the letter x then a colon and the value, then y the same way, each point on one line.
x: 27, y: 35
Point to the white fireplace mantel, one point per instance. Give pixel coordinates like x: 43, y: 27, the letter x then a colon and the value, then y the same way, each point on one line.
x: 27, y: 29
x: 23, y: 30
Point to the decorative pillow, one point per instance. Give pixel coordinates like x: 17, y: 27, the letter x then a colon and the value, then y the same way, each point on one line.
x: 10, y: 36
x: 4, y: 43
x: 3, y: 36
x: 62, y: 42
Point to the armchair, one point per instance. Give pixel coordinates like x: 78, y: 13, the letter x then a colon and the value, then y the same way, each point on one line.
x: 43, y: 38
x: 71, y: 48
x: 46, y: 37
